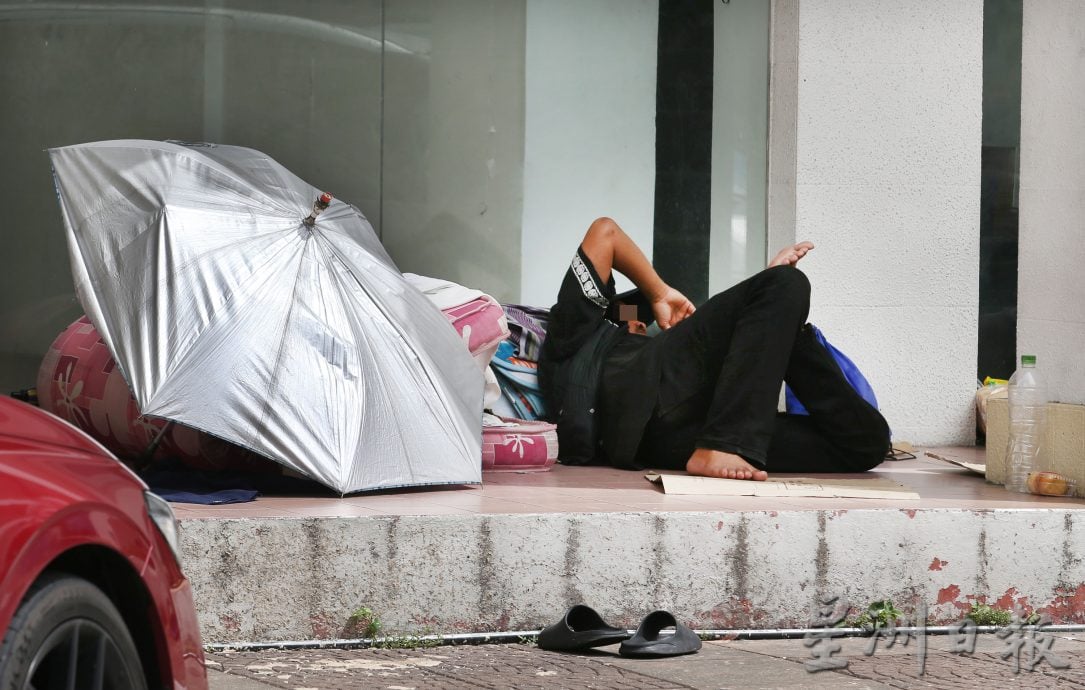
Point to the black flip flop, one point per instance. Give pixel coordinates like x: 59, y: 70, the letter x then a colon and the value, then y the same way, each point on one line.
x: 647, y: 642
x: 580, y: 628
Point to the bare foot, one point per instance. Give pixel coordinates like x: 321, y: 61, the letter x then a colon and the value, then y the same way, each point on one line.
x: 714, y: 463
x: 789, y: 256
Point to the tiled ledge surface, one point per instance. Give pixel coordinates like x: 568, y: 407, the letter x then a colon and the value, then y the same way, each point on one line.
x: 605, y: 490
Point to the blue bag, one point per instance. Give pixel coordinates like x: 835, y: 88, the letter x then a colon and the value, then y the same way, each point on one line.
x: 851, y: 373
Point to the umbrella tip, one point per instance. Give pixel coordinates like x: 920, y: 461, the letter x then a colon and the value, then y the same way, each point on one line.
x: 322, y: 202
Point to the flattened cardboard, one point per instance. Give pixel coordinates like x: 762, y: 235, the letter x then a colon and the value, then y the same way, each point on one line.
x: 807, y: 487
x: 975, y: 467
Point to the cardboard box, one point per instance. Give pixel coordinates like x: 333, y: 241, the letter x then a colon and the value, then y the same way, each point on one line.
x: 1062, y: 451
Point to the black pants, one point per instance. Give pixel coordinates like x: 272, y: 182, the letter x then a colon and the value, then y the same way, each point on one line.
x: 721, y: 370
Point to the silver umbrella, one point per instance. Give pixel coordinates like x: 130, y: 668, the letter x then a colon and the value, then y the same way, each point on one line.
x: 235, y: 304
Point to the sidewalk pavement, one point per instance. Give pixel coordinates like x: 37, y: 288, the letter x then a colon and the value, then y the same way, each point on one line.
x: 752, y: 665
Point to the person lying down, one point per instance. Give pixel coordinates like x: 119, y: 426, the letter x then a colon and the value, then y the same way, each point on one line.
x: 702, y: 394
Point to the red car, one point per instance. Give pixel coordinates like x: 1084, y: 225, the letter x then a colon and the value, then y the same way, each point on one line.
x: 91, y: 589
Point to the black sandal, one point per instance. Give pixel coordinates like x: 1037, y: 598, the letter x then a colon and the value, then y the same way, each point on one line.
x: 647, y: 641
x: 580, y: 628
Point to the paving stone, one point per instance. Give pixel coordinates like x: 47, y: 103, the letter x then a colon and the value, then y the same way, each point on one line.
x: 750, y: 665
x: 899, y: 666
x: 491, y: 666
x: 964, y: 671
x: 218, y: 680
x: 719, y: 666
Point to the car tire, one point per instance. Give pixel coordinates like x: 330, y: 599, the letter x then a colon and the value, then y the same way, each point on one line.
x: 68, y: 634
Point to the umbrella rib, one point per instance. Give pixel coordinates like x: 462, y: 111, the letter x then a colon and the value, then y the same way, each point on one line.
x: 208, y: 162
x: 429, y: 377
x: 181, y: 359
x: 274, y: 374
x: 182, y: 151
x: 334, y: 256
x: 195, y: 262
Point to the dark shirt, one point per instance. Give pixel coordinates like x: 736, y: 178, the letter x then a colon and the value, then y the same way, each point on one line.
x: 630, y: 374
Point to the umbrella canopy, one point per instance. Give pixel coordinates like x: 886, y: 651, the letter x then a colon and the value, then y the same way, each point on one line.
x: 228, y: 312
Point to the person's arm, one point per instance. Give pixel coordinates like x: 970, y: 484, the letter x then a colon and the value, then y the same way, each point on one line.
x: 608, y: 247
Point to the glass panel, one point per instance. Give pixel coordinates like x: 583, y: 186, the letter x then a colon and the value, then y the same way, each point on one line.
x: 590, y: 134
x: 453, y: 140
x: 302, y: 83
x: 304, y: 87
x: 414, y: 110
x: 739, y: 142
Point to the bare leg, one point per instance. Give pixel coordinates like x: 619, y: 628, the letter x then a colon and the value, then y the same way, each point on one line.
x: 714, y: 463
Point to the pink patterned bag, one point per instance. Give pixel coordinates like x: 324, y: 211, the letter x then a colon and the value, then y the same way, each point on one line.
x: 79, y: 381
x: 524, y: 447
x: 481, y: 324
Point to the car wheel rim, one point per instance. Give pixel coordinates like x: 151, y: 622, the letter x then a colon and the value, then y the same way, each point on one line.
x: 79, y: 654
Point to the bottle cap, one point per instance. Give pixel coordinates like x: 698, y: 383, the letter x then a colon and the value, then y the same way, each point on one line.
x: 1028, y: 360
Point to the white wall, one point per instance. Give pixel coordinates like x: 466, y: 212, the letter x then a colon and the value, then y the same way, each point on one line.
x: 1051, y: 278
x: 589, y: 140
x: 887, y: 146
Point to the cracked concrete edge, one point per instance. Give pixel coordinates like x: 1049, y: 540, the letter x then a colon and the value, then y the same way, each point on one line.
x: 301, y: 579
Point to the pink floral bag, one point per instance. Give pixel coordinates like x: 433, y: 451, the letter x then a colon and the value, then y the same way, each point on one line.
x: 521, y: 446
x: 481, y: 324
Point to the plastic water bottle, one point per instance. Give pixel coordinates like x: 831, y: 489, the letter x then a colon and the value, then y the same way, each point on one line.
x: 1028, y: 411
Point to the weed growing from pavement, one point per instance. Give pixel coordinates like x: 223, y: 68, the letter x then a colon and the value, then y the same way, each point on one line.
x: 365, y: 626
x: 879, y: 614
x: 365, y: 622
x: 884, y: 613
x: 982, y: 614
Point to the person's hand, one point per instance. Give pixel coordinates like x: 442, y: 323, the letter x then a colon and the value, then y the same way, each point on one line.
x: 670, y: 307
x: 789, y: 256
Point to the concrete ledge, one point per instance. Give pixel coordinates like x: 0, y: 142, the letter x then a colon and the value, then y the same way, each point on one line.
x: 277, y: 579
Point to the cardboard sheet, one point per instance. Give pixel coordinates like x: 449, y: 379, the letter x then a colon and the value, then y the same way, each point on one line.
x: 873, y: 487
x: 976, y: 467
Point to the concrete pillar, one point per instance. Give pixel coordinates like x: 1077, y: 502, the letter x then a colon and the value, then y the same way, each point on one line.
x: 1051, y: 248
x: 886, y: 100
